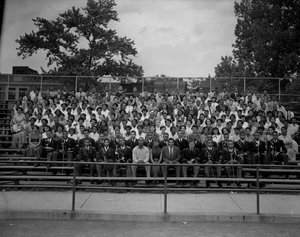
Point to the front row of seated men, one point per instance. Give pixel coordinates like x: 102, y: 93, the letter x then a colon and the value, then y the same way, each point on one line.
x: 241, y: 152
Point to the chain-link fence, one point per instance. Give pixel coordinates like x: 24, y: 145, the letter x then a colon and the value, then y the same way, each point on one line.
x: 13, y: 87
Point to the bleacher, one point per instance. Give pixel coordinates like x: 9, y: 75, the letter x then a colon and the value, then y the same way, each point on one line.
x: 19, y: 171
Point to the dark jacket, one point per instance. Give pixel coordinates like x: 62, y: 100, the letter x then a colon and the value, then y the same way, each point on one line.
x: 276, y: 146
x: 210, y: 154
x: 187, y: 155
x: 107, y: 155
x: 88, y: 155
x: 254, y: 148
x: 47, y: 143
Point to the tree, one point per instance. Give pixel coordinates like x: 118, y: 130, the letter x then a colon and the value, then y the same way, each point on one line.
x: 230, y: 72
x: 268, y: 34
x: 105, y: 54
x: 267, y: 41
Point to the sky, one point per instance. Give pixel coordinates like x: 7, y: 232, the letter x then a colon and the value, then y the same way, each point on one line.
x: 179, y: 38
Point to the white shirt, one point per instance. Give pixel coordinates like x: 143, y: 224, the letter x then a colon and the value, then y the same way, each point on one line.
x: 94, y: 136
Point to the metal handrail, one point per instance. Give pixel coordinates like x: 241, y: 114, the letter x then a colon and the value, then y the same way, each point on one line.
x: 165, y: 188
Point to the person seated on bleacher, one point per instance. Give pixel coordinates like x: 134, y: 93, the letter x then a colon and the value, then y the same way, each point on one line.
x: 140, y: 155
x: 49, y: 144
x: 66, y: 147
x: 107, y: 154
x: 59, y: 133
x: 171, y: 155
x: 34, y: 147
x: 210, y: 155
x: 286, y: 138
x: 124, y: 155
x: 276, y: 150
x: 258, y: 150
x: 231, y: 155
x: 155, y: 158
x: 86, y: 136
x: 87, y: 153
x: 16, y: 128
x: 190, y: 155
x: 243, y: 147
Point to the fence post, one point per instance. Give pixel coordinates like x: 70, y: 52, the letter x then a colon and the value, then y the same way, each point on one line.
x: 210, y: 83
x: 8, y: 80
x: 143, y: 84
x: 74, y: 187
x: 279, y: 89
x: 165, y: 189
x: 244, y: 83
x: 76, y: 84
x: 257, y: 190
x: 41, y: 86
x: 177, y: 83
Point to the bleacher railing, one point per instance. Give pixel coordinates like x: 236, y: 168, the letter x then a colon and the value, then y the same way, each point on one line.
x: 255, y: 169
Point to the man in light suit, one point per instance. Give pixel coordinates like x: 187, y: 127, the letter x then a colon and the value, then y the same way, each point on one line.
x: 171, y: 155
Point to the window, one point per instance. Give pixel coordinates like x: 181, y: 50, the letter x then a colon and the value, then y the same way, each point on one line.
x: 11, y: 93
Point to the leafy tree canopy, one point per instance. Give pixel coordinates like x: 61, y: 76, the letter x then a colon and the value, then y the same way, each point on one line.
x: 105, y: 53
x: 267, y: 39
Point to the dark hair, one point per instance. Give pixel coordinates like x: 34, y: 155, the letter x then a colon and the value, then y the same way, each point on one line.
x: 171, y: 139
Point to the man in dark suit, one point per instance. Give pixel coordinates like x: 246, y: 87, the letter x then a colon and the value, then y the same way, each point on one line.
x: 190, y: 155
x: 235, y: 95
x: 108, y: 155
x: 132, y: 142
x: 231, y: 155
x: 171, y: 155
x: 66, y: 147
x: 276, y: 150
x: 86, y: 154
x: 210, y: 137
x: 223, y: 144
x: 210, y: 155
x: 50, y: 146
x: 164, y: 142
x: 124, y: 155
x: 243, y: 147
x: 180, y: 142
x: 258, y: 150
x: 86, y: 136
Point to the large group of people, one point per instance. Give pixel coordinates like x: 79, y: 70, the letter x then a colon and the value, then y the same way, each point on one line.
x: 152, y: 128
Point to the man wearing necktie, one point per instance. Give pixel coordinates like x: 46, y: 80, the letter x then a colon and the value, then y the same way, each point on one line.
x: 66, y: 146
x: 50, y: 145
x: 258, y: 150
x: 210, y: 155
x: 276, y: 150
x: 86, y: 154
x: 191, y: 155
x: 170, y: 154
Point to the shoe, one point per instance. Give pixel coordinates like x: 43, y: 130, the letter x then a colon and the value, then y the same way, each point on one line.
x: 238, y: 184
x: 220, y: 185
x: 207, y: 184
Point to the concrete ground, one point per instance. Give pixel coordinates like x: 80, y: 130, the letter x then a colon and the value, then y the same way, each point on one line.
x: 80, y: 228
x: 137, y: 203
